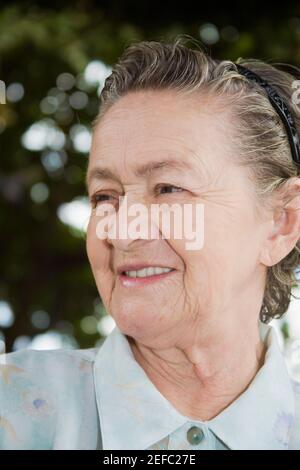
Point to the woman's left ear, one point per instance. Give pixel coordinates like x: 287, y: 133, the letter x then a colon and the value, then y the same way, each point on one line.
x: 285, y: 224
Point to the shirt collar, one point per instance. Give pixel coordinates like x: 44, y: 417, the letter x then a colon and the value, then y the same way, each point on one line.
x: 263, y: 415
x: 135, y: 415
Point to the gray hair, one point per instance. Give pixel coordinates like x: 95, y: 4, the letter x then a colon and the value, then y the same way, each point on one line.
x: 262, y: 140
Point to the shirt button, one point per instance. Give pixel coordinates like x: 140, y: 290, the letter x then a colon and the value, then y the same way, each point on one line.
x: 195, y: 435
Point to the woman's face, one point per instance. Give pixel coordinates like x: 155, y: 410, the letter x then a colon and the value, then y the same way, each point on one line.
x: 158, y: 147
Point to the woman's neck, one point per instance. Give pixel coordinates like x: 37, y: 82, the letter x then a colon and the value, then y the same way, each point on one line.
x: 200, y: 379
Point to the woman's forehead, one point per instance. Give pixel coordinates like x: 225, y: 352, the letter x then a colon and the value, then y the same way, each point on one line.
x: 159, y: 116
x: 126, y: 137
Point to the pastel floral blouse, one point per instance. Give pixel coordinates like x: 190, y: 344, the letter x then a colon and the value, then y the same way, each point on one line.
x: 101, y: 398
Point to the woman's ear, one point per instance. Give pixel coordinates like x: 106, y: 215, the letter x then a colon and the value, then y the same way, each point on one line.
x: 284, y: 228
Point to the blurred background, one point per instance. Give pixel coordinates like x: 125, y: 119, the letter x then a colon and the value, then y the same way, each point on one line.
x: 54, y: 58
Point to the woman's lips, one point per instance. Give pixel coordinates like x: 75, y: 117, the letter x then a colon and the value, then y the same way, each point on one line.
x: 127, y: 281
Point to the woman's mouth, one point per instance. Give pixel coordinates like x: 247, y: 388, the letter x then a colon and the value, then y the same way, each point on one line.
x: 144, y: 276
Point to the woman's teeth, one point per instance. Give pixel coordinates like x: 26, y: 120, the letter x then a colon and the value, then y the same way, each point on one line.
x: 145, y: 272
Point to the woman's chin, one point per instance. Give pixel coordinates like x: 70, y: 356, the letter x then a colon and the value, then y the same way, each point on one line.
x: 135, y: 320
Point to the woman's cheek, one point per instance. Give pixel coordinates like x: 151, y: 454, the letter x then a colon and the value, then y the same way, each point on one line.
x: 91, y: 241
x: 97, y: 251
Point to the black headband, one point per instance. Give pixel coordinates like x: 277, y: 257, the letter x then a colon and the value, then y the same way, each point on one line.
x: 281, y: 108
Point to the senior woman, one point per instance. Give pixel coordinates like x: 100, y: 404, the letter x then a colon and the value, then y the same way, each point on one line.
x: 192, y: 362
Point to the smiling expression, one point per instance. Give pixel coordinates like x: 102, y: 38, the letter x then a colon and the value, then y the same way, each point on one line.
x: 159, y: 147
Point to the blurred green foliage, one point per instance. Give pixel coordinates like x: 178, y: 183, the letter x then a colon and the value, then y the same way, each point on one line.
x: 43, y: 263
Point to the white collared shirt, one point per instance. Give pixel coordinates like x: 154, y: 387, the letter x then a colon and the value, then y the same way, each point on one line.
x: 102, y: 398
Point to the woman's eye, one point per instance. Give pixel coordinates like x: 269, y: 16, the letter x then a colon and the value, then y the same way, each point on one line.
x: 167, y: 188
x: 101, y: 197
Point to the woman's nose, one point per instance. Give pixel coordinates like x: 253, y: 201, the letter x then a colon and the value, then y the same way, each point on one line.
x: 132, y: 222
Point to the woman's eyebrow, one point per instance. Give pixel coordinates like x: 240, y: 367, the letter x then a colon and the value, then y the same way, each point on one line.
x: 100, y: 174
x: 169, y: 164
x: 145, y: 169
